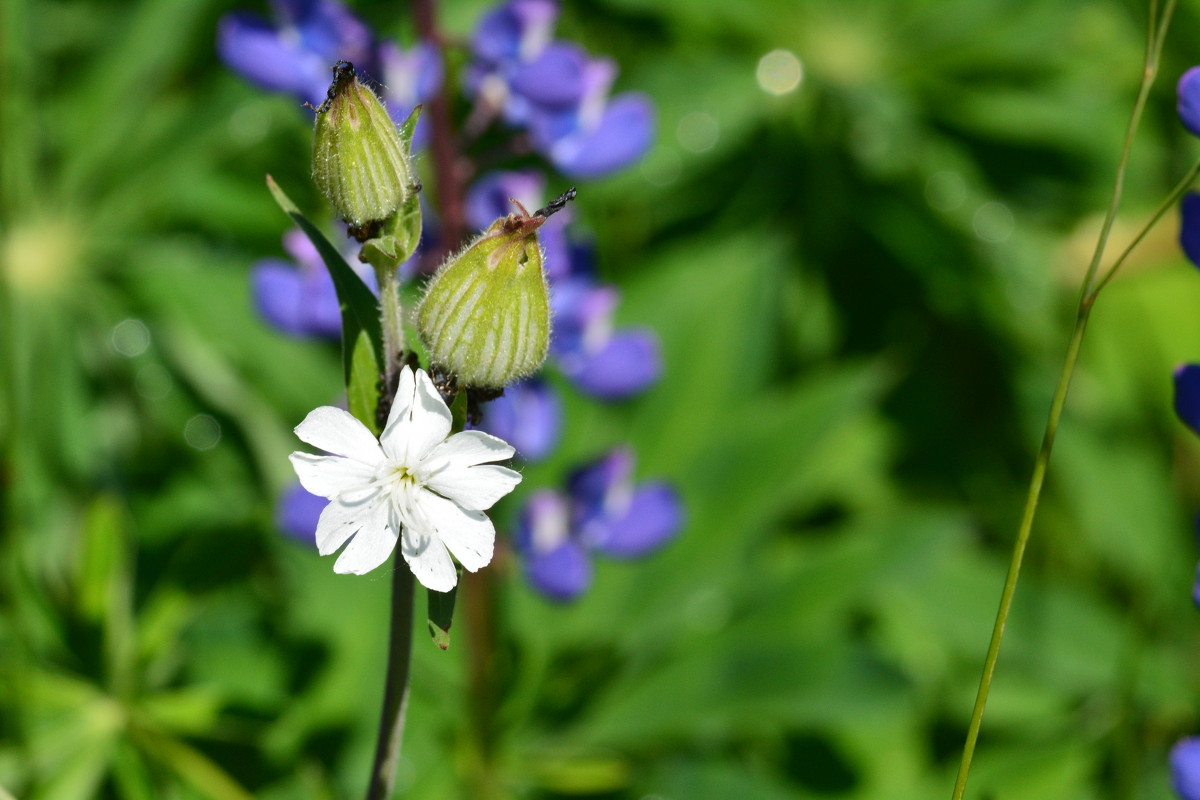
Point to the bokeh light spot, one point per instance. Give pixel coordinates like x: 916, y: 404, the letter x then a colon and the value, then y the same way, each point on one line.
x: 779, y: 72
x: 130, y: 337
x: 202, y: 432
x: 993, y: 222
x: 945, y: 190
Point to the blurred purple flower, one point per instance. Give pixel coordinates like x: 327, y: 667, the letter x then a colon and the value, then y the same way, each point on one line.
x: 410, y: 78
x: 298, y: 512
x: 299, y: 299
x: 294, y: 52
x: 1187, y: 395
x: 603, y: 510
x: 1188, y: 103
x: 557, y: 91
x: 528, y: 416
x: 597, y: 135
x: 1189, y: 227
x: 1185, y: 768
x: 612, y: 365
x: 509, y: 41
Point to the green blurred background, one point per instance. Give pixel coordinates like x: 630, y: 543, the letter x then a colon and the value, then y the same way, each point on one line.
x: 863, y: 287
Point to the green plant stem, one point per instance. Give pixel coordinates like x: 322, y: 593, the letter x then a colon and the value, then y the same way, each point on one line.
x: 395, y: 693
x: 1089, y: 291
x: 392, y: 322
x: 1163, y: 208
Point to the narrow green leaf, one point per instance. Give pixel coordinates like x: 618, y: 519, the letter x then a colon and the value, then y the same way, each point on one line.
x: 362, y: 389
x: 360, y: 309
x: 441, y: 614
x: 101, y: 558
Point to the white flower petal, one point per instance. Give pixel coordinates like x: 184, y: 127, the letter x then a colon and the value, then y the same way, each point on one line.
x: 371, y: 546
x: 330, y: 476
x: 476, y: 488
x: 428, y: 559
x: 470, y: 535
x: 401, y: 406
x: 467, y: 449
x: 342, y: 519
x: 338, y: 432
x: 410, y: 436
x: 431, y: 420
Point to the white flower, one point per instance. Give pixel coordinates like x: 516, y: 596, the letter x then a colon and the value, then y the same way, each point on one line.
x: 413, y: 484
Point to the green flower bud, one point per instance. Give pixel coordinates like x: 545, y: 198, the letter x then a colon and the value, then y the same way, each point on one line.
x: 485, y: 317
x: 360, y: 163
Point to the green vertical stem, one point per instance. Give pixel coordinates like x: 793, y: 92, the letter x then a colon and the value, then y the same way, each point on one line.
x: 392, y: 322
x: 395, y: 693
x: 1156, y: 33
x: 480, y: 622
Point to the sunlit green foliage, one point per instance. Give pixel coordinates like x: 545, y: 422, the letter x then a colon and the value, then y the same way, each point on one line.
x: 863, y: 289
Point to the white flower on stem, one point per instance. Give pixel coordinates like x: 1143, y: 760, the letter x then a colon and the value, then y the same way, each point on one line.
x: 413, y: 484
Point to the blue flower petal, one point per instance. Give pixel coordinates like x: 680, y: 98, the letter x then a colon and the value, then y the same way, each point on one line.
x: 298, y: 512
x: 1188, y: 103
x: 296, y: 301
x: 253, y: 47
x: 1187, y: 395
x: 582, y: 313
x: 653, y: 517
x: 410, y: 78
x: 555, y: 563
x: 1189, y: 226
x: 528, y: 416
x: 329, y: 29
x: 628, y: 363
x: 597, y: 487
x: 1185, y: 768
x: 622, y: 136
x: 555, y: 78
x: 562, y: 574
x: 515, y: 30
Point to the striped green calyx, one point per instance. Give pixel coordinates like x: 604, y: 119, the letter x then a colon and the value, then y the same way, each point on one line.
x: 360, y: 162
x: 486, y: 315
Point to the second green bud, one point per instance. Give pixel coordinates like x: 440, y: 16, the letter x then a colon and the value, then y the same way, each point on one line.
x: 486, y: 314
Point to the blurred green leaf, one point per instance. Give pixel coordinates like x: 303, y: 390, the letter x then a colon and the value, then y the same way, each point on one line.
x: 362, y: 336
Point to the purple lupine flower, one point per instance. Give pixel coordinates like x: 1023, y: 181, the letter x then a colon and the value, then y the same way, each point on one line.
x: 410, y: 77
x: 299, y: 299
x: 557, y: 91
x: 603, y: 510
x: 1189, y: 226
x: 1188, y: 103
x: 298, y: 512
x: 597, y: 135
x: 509, y: 42
x: 1185, y: 768
x: 293, y: 52
x: 1187, y: 395
x: 528, y: 416
x: 602, y: 362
